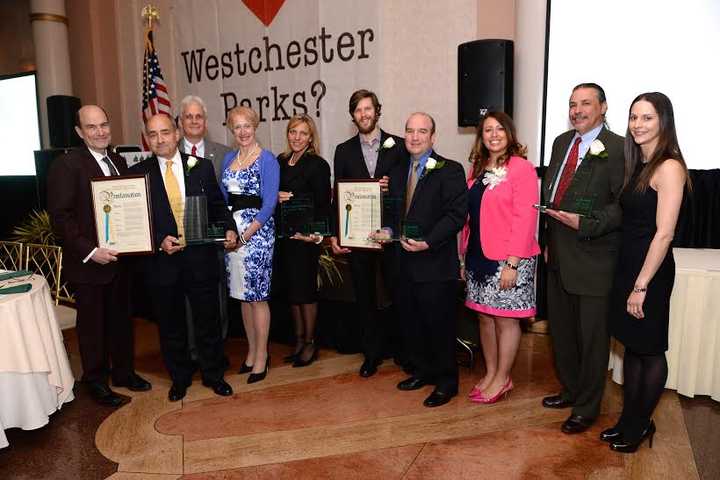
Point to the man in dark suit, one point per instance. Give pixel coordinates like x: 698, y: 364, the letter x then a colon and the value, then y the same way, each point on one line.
x: 585, y: 175
x: 193, y: 123
x: 178, y: 270
x: 100, y: 281
x: 427, y: 269
x: 371, y: 153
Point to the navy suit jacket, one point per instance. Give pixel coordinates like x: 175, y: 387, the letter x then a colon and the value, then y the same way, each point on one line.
x: 439, y: 207
x: 199, y: 261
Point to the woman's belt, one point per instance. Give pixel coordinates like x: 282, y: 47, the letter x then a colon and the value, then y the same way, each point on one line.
x: 240, y: 202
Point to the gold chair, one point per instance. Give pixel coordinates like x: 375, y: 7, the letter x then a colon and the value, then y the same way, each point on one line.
x: 11, y: 255
x: 46, y: 260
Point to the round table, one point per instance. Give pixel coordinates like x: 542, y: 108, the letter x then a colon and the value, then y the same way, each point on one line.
x: 35, y: 375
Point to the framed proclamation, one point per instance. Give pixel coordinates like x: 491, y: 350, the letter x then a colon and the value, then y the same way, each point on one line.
x: 121, y: 207
x: 359, y: 213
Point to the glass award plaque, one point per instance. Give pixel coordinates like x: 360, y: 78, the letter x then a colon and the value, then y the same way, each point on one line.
x: 297, y: 215
x: 198, y: 231
x: 394, y: 225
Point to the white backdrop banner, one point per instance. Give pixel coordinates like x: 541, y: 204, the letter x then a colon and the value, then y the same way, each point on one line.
x: 280, y: 57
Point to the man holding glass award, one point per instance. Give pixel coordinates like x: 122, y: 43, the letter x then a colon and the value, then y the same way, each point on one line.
x: 582, y: 187
x: 184, y: 193
x: 427, y: 268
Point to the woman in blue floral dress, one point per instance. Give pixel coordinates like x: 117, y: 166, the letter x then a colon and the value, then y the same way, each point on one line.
x: 250, y: 182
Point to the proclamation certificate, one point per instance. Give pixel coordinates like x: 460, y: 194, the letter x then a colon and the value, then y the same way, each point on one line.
x: 359, y: 213
x: 121, y: 208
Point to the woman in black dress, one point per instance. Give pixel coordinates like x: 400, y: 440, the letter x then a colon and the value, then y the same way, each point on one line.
x: 655, y: 180
x: 302, y: 173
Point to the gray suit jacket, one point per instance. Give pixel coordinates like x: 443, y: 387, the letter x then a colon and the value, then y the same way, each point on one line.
x: 215, y: 152
x: 586, y: 257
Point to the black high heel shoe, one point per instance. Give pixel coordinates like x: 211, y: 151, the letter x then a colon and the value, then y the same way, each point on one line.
x: 299, y: 362
x: 245, y: 368
x: 299, y: 345
x: 256, y: 377
x: 624, y: 446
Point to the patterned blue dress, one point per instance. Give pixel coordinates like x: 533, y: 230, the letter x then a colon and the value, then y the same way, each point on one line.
x: 250, y: 266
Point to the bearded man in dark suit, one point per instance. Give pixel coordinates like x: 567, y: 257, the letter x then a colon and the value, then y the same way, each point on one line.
x: 585, y: 175
x: 427, y: 269
x: 99, y: 279
x: 178, y: 270
x: 372, y: 153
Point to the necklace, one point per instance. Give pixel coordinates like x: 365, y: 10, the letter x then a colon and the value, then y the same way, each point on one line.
x: 244, y: 161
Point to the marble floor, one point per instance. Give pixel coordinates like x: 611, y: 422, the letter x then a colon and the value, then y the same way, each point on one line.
x: 324, y: 421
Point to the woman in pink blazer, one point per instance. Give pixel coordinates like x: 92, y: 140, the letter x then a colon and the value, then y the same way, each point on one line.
x: 499, y: 248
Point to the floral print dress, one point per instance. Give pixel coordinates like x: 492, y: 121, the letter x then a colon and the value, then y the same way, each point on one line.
x: 250, y: 266
x: 483, y: 274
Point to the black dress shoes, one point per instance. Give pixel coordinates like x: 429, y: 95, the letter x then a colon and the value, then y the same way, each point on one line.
x: 177, y: 392
x: 134, y: 383
x: 412, y: 383
x: 369, y: 368
x: 220, y: 387
x: 102, y: 394
x: 556, y: 401
x: 610, y: 435
x: 576, y: 424
x: 438, y: 398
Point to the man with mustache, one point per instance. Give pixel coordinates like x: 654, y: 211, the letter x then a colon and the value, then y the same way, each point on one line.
x: 585, y: 175
x: 371, y: 153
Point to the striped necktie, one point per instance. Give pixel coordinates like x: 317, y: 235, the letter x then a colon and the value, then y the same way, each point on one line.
x: 172, y: 187
x: 111, y: 167
x: 412, y: 183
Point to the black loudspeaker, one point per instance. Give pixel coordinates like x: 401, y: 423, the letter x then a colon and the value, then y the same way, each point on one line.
x: 61, y: 110
x: 43, y: 161
x: 485, y: 79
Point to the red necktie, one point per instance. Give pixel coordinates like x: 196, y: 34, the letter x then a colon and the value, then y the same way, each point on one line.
x: 567, y: 173
x: 193, y: 152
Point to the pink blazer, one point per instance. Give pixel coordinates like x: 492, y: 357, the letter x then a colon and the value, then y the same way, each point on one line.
x: 508, y: 221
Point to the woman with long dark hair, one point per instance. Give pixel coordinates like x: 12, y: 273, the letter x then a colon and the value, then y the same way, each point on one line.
x: 500, y: 247
x: 655, y: 181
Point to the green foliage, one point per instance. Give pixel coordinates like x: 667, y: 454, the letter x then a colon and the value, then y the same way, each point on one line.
x: 329, y: 269
x: 36, y: 228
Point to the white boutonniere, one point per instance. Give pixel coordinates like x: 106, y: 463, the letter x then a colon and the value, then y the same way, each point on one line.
x: 192, y: 161
x: 494, y: 177
x: 387, y: 144
x: 431, y: 165
x: 597, y: 149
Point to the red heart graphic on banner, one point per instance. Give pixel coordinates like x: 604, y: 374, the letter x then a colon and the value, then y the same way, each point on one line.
x: 264, y: 10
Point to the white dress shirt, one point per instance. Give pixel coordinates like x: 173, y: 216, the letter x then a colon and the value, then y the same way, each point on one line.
x: 199, y: 147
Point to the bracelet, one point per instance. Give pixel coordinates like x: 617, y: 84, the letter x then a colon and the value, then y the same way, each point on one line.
x: 319, y: 240
x: 639, y: 289
x: 242, y: 239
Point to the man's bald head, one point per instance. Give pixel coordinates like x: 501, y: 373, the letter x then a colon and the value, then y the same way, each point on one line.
x: 93, y: 126
x: 162, y: 135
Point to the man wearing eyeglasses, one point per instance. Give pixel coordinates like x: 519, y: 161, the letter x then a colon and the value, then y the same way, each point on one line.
x: 100, y: 282
x: 193, y: 122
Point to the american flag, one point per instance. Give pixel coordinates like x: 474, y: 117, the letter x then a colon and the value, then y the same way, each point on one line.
x: 155, y: 93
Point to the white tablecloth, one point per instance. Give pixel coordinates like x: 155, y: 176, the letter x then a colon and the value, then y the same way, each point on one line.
x: 694, y: 336
x: 35, y: 375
